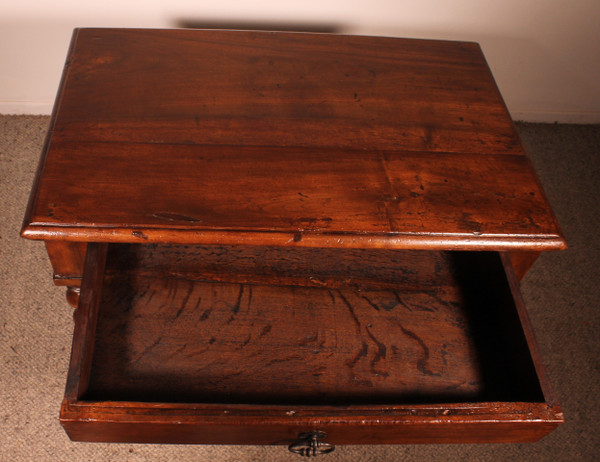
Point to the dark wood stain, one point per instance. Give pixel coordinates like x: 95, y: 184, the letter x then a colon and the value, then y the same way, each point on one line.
x: 368, y: 142
x: 467, y: 356
x: 285, y: 331
x: 282, y: 237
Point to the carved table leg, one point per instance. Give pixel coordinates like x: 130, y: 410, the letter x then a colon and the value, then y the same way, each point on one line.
x: 73, y: 295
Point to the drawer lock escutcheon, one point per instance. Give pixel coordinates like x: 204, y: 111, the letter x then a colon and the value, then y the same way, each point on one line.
x: 311, y: 444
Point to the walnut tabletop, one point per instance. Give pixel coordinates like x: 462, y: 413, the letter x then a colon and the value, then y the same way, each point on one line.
x: 317, y: 151
x: 227, y: 137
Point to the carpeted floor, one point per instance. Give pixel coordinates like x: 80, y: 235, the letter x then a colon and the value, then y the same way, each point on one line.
x: 561, y: 291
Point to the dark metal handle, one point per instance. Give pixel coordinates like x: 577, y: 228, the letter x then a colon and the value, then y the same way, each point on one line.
x: 310, y: 444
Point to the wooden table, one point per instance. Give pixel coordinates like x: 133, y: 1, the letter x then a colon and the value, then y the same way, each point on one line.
x: 275, y: 234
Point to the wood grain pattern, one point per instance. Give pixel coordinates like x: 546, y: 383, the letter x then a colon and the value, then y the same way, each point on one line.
x: 285, y: 139
x: 228, y: 424
x: 86, y: 317
x: 282, y: 89
x: 297, y: 197
x: 295, y: 194
x: 234, y: 362
x: 282, y: 266
x: 67, y: 259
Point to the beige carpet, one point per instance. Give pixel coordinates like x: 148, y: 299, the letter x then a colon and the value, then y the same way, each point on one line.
x: 561, y: 291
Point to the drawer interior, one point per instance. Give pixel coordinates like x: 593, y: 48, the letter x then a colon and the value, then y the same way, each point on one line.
x: 258, y: 325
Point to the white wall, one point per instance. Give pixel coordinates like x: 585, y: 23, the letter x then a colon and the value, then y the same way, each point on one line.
x: 545, y: 54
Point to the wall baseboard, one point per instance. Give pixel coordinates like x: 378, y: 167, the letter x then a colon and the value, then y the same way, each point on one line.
x: 26, y: 107
x: 556, y: 117
x: 45, y: 108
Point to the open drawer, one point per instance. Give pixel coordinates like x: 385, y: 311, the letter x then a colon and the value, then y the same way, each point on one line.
x: 256, y: 345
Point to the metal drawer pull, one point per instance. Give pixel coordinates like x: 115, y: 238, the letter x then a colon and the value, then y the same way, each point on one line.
x: 310, y: 444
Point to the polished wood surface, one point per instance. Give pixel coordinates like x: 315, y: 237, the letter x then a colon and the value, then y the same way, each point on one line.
x: 282, y: 89
x: 274, y: 233
x: 284, y: 139
x: 349, y: 354
x: 409, y: 424
x: 73, y: 294
x: 67, y: 259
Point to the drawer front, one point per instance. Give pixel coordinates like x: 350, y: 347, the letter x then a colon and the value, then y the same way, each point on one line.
x: 436, y: 350
x: 151, y: 423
